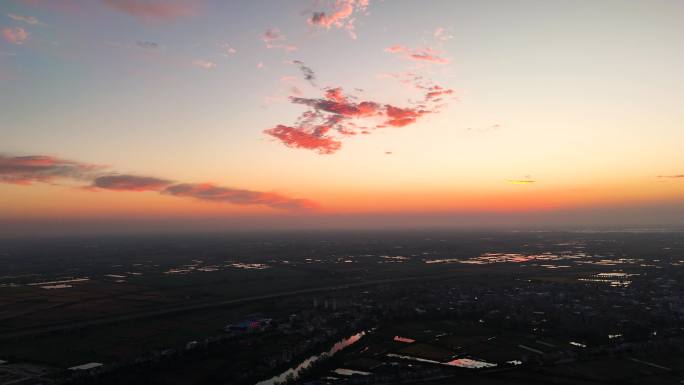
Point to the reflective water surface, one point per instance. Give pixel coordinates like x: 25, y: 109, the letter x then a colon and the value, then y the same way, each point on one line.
x: 294, y: 373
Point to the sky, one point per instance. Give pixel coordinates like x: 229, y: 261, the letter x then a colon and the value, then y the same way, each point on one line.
x: 194, y: 114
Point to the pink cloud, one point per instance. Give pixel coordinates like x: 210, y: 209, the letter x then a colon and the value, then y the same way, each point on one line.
x: 15, y: 35
x: 340, y: 16
x: 336, y: 115
x: 437, y: 91
x: 400, y: 117
x: 154, y: 9
x: 343, y: 9
x: 273, y: 38
x: 420, y: 54
x: 397, y: 48
x: 441, y: 34
x: 336, y: 103
x: 297, y: 137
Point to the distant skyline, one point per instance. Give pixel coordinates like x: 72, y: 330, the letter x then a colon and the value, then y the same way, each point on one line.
x: 341, y: 114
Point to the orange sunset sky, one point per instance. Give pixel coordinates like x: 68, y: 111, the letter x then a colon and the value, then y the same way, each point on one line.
x: 340, y: 114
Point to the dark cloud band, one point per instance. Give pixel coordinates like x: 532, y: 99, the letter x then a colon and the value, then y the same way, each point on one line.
x: 130, y: 183
x: 26, y: 170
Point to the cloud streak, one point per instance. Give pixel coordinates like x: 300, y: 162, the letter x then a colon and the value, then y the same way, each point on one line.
x: 25, y: 19
x: 27, y: 170
x: 428, y: 55
x: 213, y: 193
x: 521, y: 181
x: 124, y: 182
x: 147, y: 45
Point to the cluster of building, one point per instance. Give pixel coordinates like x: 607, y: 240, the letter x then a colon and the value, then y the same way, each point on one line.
x: 586, y: 312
